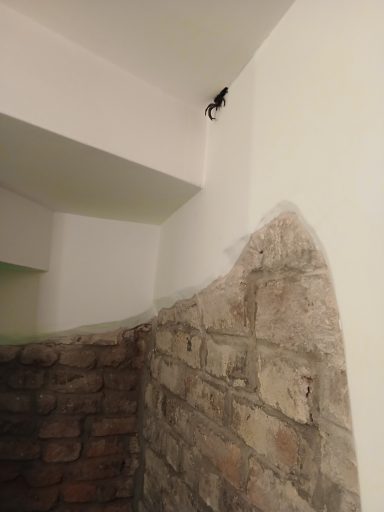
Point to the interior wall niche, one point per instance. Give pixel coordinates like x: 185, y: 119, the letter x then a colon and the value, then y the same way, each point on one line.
x: 246, y: 396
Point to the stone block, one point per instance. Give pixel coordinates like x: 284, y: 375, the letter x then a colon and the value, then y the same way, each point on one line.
x: 39, y: 355
x: 287, y: 385
x: 206, y: 397
x: 153, y: 398
x: 334, y: 396
x: 226, y: 456
x: 78, y: 404
x: 164, y: 341
x: 75, y: 381
x: 186, y: 347
x: 78, y: 357
x: 267, y: 435
x: 299, y: 314
x: 172, y: 376
x: 180, y: 419
x: 59, y: 427
x: 26, y: 378
x: 185, y: 312
x: 103, y: 446
x: 99, y: 468
x: 112, y: 357
x: 267, y: 491
x: 61, y: 451
x: 226, y: 357
x: 338, y: 461
x: 113, y: 426
x: 210, y: 489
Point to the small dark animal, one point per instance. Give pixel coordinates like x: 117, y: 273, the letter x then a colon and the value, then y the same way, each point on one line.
x: 218, y: 102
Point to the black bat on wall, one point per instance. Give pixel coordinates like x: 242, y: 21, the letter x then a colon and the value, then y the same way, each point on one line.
x: 218, y: 102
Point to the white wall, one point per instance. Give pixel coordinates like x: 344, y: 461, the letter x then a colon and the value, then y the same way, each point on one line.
x: 100, y: 271
x: 305, y: 124
x: 25, y: 231
x: 53, y: 83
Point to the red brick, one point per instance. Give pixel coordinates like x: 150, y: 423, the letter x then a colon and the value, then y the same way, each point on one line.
x: 114, y: 426
x: 97, y: 469
x: 61, y: 451
x: 17, y: 497
x: 104, y: 446
x: 26, y: 378
x: 9, y: 471
x: 43, y: 475
x: 119, y: 506
x: 78, y: 357
x: 17, y: 425
x: 15, y: 402
x: 45, y: 403
x: 123, y: 380
x: 60, y: 427
x: 125, y: 488
x: 74, y: 404
x: 19, y: 449
x: 39, y: 355
x: 73, y: 381
x: 79, y: 492
x: 120, y: 402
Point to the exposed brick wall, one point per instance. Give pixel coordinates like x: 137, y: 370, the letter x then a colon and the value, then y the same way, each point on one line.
x: 69, y: 423
x: 246, y: 399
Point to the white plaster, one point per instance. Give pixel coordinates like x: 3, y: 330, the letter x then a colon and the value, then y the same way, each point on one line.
x: 101, y: 271
x: 25, y: 231
x: 304, y: 123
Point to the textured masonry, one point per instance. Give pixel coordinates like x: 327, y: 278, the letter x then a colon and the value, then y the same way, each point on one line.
x: 69, y: 438
x: 246, y: 398
x: 233, y: 401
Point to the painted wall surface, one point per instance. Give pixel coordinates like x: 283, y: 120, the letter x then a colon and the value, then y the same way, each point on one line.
x: 100, y: 271
x: 25, y: 231
x: 60, y: 86
x: 304, y: 124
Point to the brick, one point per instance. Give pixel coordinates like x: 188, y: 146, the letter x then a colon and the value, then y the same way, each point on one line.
x: 210, y: 489
x: 19, y: 449
x: 112, y: 357
x: 133, y: 444
x: 125, y: 488
x: 78, y: 357
x: 114, y: 426
x: 120, y: 402
x: 72, y: 381
x: 15, y: 403
x: 119, y: 506
x: 287, y: 386
x: 162, y: 442
x: 187, y: 348
x: 61, y: 451
x: 267, y: 492
x: 338, y: 460
x: 99, y: 468
x: 205, y: 397
x: 104, y: 446
x: 226, y: 357
x: 18, y: 425
x: 26, y: 378
x: 9, y: 471
x: 60, y: 427
x: 124, y: 380
x: 131, y: 464
x: 299, y: 314
x: 8, y: 353
x: 45, y: 402
x: 267, y: 435
x: 226, y: 456
x: 79, y: 492
x: 43, y: 475
x: 78, y: 404
x: 39, y: 355
x: 17, y: 497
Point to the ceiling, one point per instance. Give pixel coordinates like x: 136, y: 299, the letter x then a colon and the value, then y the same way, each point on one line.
x: 71, y: 177
x: 188, y: 48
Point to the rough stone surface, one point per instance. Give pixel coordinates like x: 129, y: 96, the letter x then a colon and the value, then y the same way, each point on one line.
x: 68, y: 423
x: 246, y: 400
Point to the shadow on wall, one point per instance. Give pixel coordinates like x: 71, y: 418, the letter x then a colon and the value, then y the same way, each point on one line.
x: 19, y: 295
